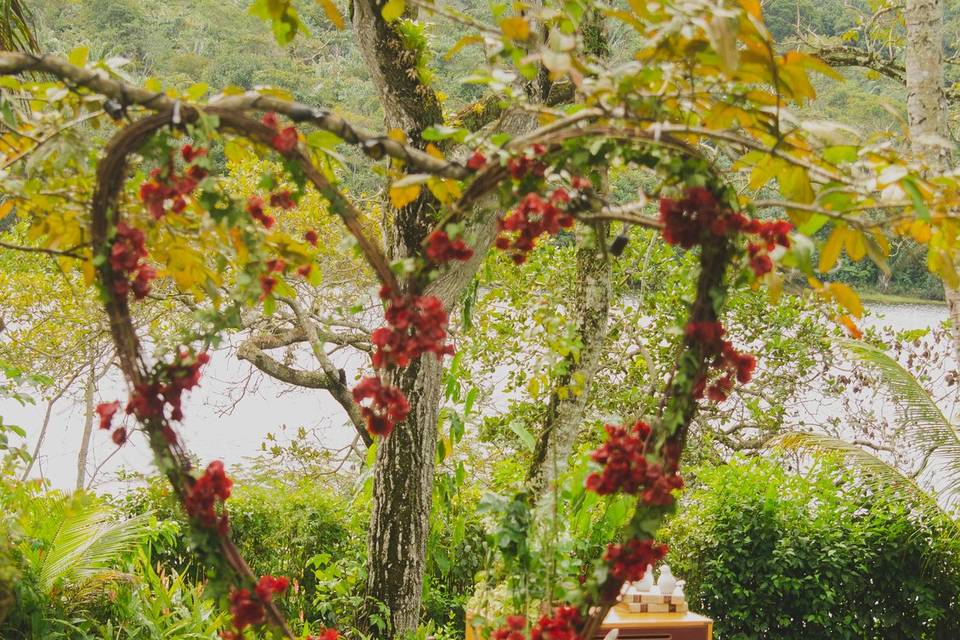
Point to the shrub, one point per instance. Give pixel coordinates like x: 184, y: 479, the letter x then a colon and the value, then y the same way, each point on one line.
x: 772, y: 554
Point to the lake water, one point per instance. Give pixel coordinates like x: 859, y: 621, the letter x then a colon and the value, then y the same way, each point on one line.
x: 232, y: 412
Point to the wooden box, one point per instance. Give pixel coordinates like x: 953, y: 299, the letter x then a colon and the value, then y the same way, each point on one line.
x: 656, y: 626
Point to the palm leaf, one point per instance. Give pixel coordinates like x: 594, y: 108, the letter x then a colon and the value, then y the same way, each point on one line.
x: 926, y: 431
x: 876, y: 472
x: 88, y: 541
x: 16, y: 32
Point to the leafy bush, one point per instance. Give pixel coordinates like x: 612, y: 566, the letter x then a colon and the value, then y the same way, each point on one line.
x: 772, y: 554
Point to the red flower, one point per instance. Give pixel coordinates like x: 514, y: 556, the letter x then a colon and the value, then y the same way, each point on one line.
x: 267, y: 285
x: 311, y: 237
x: 255, y: 207
x: 270, y: 119
x: 533, y: 217
x: 513, y: 630
x: 246, y: 610
x: 190, y: 154
x: 628, y: 562
x: 269, y: 585
x: 119, y: 436
x: 441, y: 249
x: 126, y: 258
x: 624, y: 460
x: 720, y: 355
x: 416, y: 325
x: 106, y: 411
x: 561, y: 626
x: 305, y: 270
x: 282, y: 199
x: 386, y: 408
x: 476, y: 161
x: 326, y: 634
x: 201, y: 499
x: 285, y: 141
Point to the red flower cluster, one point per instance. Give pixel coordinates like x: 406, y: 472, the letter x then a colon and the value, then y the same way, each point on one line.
x: 513, y: 630
x: 521, y: 166
x: 255, y: 206
x: 416, y: 325
x: 282, y: 199
x: 127, y: 260
x: 694, y: 218
x: 533, y: 217
x: 150, y: 398
x: 246, y: 611
x: 626, y: 468
x: 311, y: 237
x: 326, y: 634
x: 285, y: 140
x: 721, y: 355
x: 561, y: 626
x: 269, y: 585
x: 167, y: 189
x: 440, y: 248
x: 202, y: 497
x: 628, y: 562
x: 772, y: 233
x: 476, y: 161
x: 106, y: 411
x: 387, y: 407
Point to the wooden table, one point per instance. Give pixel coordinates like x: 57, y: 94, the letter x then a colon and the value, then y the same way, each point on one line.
x: 657, y: 626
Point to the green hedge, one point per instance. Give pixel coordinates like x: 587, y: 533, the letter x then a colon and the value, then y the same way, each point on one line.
x: 770, y: 554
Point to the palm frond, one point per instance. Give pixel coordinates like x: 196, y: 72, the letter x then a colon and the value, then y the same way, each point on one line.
x: 926, y: 431
x: 88, y: 541
x: 16, y: 28
x: 876, y: 472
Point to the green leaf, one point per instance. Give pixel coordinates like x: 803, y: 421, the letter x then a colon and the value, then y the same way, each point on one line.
x: 916, y: 197
x: 525, y: 436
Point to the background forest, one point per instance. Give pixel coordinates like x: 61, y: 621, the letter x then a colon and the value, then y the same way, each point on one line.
x: 860, y: 540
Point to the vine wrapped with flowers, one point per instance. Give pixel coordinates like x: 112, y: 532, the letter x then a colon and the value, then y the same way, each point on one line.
x: 716, y: 84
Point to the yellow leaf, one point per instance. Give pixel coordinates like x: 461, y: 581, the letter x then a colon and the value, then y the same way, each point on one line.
x: 830, y: 251
x: 78, y: 57
x: 460, y: 44
x: 401, y: 196
x: 392, y: 10
x: 397, y: 134
x: 515, y: 28
x: 333, y: 13
x: 855, y: 245
x: 445, y: 190
x: 920, y: 231
x: 752, y: 7
x: 434, y: 151
x: 846, y: 298
x: 851, y: 327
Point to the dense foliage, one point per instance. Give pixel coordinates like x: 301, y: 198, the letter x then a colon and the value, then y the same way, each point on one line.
x: 771, y: 553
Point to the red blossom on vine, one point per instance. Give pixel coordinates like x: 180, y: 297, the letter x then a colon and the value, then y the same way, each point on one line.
x: 267, y: 285
x: 533, y: 217
x: 699, y: 215
x: 476, y: 161
x: 270, y: 119
x: 267, y: 586
x: 311, y: 237
x: 513, y: 630
x: 721, y: 355
x: 562, y: 625
x: 201, y: 499
x: 150, y: 399
x: 282, y: 199
x: 255, y: 207
x: 119, y: 436
x: 285, y: 141
x: 246, y: 610
x: 441, y: 249
x: 629, y: 561
x: 305, y: 270
x: 385, y: 406
x: 191, y: 153
x: 626, y: 468
x: 326, y: 634
x: 415, y: 325
x: 106, y: 411
x: 127, y: 255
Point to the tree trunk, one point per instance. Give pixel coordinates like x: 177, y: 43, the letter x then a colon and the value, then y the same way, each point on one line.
x: 87, y: 425
x: 927, y: 107
x: 565, y: 412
